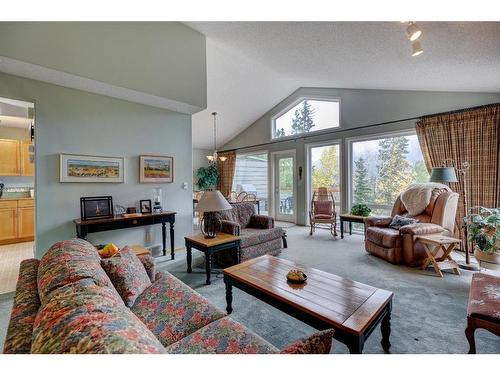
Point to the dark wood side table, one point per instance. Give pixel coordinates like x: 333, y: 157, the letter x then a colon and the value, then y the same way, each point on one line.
x: 350, y: 219
x: 209, y: 246
x: 84, y: 227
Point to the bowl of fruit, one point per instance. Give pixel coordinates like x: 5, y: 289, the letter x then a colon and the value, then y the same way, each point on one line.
x: 296, y: 277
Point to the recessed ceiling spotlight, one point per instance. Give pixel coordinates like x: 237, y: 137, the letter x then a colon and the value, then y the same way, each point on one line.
x: 413, y: 31
x: 416, y: 48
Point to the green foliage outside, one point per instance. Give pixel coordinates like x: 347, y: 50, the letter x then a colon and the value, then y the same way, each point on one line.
x: 280, y: 133
x: 207, y: 177
x: 303, y: 120
x: 363, y: 190
x: 421, y: 174
x: 326, y: 173
x: 286, y: 174
x: 483, y: 229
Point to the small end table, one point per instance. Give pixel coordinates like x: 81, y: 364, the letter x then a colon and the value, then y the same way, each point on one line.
x: 209, y: 246
x: 432, y: 244
x: 350, y: 219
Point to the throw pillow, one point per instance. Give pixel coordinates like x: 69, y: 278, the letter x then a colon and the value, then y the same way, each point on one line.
x: 319, y: 343
x: 399, y: 221
x: 128, y: 275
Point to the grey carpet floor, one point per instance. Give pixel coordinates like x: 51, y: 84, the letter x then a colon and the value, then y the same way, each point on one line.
x: 429, y: 313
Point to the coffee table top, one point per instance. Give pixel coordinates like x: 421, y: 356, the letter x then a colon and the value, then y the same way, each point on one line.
x: 221, y: 238
x: 337, y: 301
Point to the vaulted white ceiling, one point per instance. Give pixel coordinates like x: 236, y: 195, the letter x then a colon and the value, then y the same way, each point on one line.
x: 252, y: 66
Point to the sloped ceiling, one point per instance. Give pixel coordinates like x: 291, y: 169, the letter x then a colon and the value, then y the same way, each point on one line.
x: 251, y: 66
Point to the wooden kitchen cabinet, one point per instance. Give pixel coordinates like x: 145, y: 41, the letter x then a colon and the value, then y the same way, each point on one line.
x: 27, y: 167
x: 18, y: 220
x: 10, y: 157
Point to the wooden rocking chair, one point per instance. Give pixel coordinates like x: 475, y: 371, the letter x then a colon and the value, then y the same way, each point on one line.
x: 323, y: 211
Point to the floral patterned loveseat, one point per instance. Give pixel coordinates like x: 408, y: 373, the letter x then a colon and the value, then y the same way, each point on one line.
x: 66, y: 303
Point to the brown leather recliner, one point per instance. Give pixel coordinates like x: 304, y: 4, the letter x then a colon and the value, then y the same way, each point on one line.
x: 399, y: 246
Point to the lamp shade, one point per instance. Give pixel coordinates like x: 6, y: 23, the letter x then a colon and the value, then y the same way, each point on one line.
x: 211, y: 201
x: 443, y: 174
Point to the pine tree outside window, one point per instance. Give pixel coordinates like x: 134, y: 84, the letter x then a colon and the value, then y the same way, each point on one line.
x: 307, y: 115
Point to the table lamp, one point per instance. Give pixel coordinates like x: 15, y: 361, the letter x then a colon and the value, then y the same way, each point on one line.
x: 447, y: 174
x: 211, y: 202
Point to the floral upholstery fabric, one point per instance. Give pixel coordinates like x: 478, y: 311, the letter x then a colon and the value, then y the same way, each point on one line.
x: 230, y: 227
x: 484, y: 299
x: 82, y: 317
x: 242, y: 213
x: 272, y: 247
x: 224, y: 336
x: 172, y: 310
x: 261, y: 222
x: 253, y: 236
x: 319, y: 343
x: 26, y: 305
x: 67, y: 262
x: 127, y: 274
x: 149, y: 265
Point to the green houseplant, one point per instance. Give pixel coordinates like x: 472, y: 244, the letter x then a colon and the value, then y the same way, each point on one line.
x: 483, y: 228
x: 208, y: 177
x: 360, y: 210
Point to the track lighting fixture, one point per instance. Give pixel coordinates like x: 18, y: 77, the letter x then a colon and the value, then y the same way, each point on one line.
x: 413, y: 31
x: 416, y: 48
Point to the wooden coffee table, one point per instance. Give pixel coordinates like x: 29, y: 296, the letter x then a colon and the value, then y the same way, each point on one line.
x: 324, y: 301
x: 209, y: 246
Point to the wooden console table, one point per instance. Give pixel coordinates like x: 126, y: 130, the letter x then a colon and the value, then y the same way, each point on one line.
x: 84, y: 227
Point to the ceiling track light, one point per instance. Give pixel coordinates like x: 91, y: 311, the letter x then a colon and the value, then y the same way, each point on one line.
x: 413, y: 31
x: 416, y: 48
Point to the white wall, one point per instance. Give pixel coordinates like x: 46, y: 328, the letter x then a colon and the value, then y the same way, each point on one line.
x: 165, y: 59
x: 358, y: 108
x: 199, y: 160
x: 72, y: 121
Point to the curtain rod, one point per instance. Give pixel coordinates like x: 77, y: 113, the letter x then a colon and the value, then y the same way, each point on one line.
x: 306, y: 136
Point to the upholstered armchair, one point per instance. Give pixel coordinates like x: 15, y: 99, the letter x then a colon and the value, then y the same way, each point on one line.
x: 398, y: 246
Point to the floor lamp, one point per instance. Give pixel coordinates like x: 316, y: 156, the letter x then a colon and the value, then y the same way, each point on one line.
x: 448, y: 174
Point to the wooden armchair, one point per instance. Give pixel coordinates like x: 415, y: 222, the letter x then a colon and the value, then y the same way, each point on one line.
x: 323, y: 211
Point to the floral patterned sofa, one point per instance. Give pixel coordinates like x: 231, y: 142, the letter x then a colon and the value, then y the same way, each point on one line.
x: 66, y: 303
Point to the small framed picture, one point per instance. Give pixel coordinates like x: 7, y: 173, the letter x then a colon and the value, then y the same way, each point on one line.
x: 96, y: 207
x: 86, y: 168
x: 145, y: 205
x: 156, y: 169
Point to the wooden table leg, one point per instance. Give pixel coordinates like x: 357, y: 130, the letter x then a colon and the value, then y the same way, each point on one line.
x: 189, y: 257
x: 431, y: 259
x: 229, y: 296
x: 341, y: 228
x: 172, y: 246
x: 208, y: 266
x: 385, y: 328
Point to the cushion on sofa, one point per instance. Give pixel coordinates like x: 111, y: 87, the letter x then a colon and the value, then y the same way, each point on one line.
x: 252, y: 236
x: 398, y: 221
x: 172, y: 310
x: 24, y: 310
x: 149, y: 265
x: 224, y: 336
x: 385, y: 237
x: 318, y: 343
x: 127, y: 274
x: 69, y: 261
x: 83, y: 317
x: 242, y: 213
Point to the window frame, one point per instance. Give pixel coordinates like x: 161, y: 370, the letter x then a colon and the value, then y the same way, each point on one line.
x: 368, y: 137
x: 289, y: 106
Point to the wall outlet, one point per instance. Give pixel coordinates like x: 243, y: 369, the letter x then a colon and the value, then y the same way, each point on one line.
x: 185, y: 185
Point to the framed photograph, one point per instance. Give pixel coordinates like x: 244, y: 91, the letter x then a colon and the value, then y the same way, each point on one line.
x: 157, y: 169
x: 145, y: 205
x: 86, y: 168
x: 96, y: 207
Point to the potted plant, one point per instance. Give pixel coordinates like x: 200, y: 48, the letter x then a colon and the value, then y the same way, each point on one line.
x: 483, y: 229
x: 207, y: 177
x: 360, y: 210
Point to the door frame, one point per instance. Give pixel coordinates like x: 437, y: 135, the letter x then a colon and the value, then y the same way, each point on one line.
x: 273, y: 169
x: 308, y: 147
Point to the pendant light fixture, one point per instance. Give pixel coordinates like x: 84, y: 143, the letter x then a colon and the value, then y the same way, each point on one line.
x: 215, y: 157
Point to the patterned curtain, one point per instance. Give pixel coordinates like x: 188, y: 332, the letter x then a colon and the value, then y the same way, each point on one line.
x: 226, y: 172
x: 471, y: 136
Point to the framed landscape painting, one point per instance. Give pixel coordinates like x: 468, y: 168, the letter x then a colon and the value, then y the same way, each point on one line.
x: 158, y: 169
x: 86, y: 168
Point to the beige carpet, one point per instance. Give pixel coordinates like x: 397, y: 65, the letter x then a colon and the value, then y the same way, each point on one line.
x: 10, y: 258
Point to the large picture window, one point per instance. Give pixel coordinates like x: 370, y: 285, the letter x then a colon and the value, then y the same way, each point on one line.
x: 325, y: 170
x: 309, y: 115
x: 250, y: 175
x: 382, y: 168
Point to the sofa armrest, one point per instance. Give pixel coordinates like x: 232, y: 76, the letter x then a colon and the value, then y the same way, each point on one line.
x: 149, y: 265
x: 24, y: 311
x: 261, y: 222
x: 420, y: 229
x: 318, y: 343
x: 230, y: 227
x: 378, y: 221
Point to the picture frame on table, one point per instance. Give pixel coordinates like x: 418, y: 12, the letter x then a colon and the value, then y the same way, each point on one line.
x: 89, y: 168
x: 156, y: 169
x: 145, y: 206
x: 92, y: 208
